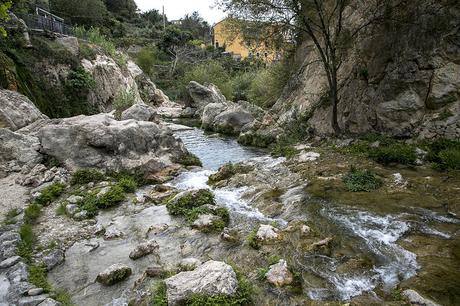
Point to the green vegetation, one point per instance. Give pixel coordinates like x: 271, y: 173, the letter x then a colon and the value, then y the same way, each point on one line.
x: 444, y: 154
x: 62, y: 296
x: 10, y: 217
x: 159, y: 297
x: 94, y: 36
x: 242, y: 297
x: 4, y: 7
x: 32, y: 212
x: 227, y: 171
x: 28, y: 239
x: 282, y: 150
x: 394, y: 153
x: 256, y: 140
x: 61, y: 209
x: 183, y: 204
x: 37, y: 277
x: 189, y: 160
x: 90, y: 204
x: 252, y: 239
x: 361, y: 180
x: 50, y: 193
x: 128, y: 184
x: 85, y: 176
x: 123, y: 101
x: 113, y: 197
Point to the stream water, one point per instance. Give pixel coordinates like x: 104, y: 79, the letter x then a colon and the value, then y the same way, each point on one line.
x: 361, y: 234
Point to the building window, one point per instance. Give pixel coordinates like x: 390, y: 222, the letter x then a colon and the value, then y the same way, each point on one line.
x: 217, y: 44
x: 266, y: 54
x: 258, y: 54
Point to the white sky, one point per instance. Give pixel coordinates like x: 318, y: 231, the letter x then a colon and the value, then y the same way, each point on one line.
x: 175, y: 9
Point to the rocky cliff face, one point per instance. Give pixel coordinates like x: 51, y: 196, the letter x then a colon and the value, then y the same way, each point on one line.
x: 401, y: 77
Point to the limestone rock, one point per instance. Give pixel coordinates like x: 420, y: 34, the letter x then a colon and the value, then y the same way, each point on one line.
x: 32, y: 300
x: 112, y: 233
x: 204, y: 95
x: 279, y: 274
x: 73, y: 199
x: 205, y: 221
x: 308, y: 156
x: 100, y: 141
x: 415, y: 298
x: 267, y: 232
x: 114, y: 274
x: 9, y: 262
x: 141, y: 112
x: 144, y: 249
x: 21, y: 148
x: 71, y: 209
x: 17, y: 111
x: 233, y: 120
x: 49, y: 302
x: 211, y: 278
x: 35, y: 291
x: 53, y: 259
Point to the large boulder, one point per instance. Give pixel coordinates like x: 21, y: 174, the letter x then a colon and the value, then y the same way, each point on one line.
x: 17, y: 111
x: 140, y: 111
x: 23, y: 149
x: 100, y: 141
x: 233, y: 120
x: 148, y: 91
x: 204, y: 95
x: 210, y: 112
x: 211, y: 278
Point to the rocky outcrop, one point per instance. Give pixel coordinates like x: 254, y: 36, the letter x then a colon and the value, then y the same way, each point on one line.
x: 211, y: 278
x: 144, y: 249
x: 100, y: 141
x: 140, y: 112
x: 17, y: 111
x: 114, y: 274
x: 218, y: 114
x: 404, y: 83
x: 22, y: 149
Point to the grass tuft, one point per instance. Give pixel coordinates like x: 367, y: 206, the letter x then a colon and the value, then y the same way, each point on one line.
x: 361, y: 180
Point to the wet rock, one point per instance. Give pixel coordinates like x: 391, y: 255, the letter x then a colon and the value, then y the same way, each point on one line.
x: 49, y: 302
x: 112, y: 233
x: 155, y: 271
x: 9, y: 262
x: 32, y: 300
x: 74, y: 199
x: 279, y: 274
x: 17, y: 111
x: 144, y: 249
x: 114, y: 274
x: 308, y: 156
x: 35, y: 291
x: 205, y: 222
x: 415, y: 298
x: 188, y: 264
x: 53, y: 259
x: 212, y: 278
x: 267, y: 232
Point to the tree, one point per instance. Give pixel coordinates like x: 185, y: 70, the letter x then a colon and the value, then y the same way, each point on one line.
x: 196, y: 25
x: 124, y: 8
x: 4, y: 6
x: 82, y: 12
x: 322, y: 22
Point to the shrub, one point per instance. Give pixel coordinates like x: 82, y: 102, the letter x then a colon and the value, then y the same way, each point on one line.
x: 61, y: 209
x: 281, y: 149
x: 256, y: 140
x: 32, y: 212
x: 241, y: 85
x: 358, y: 180
x: 449, y: 159
x: 445, y: 154
x: 217, y: 225
x: 90, y: 203
x: 394, y: 153
x: 182, y: 205
x: 50, y: 193
x: 123, y: 101
x: 94, y: 35
x: 159, y: 297
x: 37, y: 277
x: 85, y: 176
x: 146, y: 60
x: 10, y: 216
x: 113, y: 197
x: 252, y: 240
x: 28, y: 239
x: 128, y: 184
x: 189, y: 160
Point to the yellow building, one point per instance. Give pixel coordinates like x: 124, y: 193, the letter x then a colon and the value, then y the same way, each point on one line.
x: 228, y: 35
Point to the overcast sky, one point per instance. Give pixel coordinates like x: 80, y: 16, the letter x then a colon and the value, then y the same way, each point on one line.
x: 175, y: 9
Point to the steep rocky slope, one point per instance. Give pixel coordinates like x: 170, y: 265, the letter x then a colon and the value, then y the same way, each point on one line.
x: 400, y: 77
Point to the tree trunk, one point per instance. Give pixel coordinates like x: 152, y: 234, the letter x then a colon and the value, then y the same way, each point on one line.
x: 335, y: 102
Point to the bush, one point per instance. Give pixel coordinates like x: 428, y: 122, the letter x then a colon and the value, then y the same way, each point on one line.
x: 146, y: 60
x: 189, y: 160
x: 90, y: 203
x: 361, y: 180
x: 37, y: 277
x: 28, y: 239
x: 128, y: 184
x: 159, y: 295
x: 10, y: 216
x: 241, y: 85
x: 50, y: 193
x: 280, y: 149
x: 85, y: 176
x: 32, y: 212
x: 113, y: 197
x: 123, y: 101
x: 94, y: 35
x: 445, y: 154
x: 252, y: 240
x: 449, y: 159
x: 394, y: 153
x: 185, y: 203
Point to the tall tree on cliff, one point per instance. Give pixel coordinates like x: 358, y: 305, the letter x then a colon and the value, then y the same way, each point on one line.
x: 324, y: 22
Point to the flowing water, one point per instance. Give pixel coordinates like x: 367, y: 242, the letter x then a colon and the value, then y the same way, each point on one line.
x: 367, y: 234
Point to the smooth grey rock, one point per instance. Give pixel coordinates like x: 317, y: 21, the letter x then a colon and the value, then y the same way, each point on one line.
x: 155, y: 271
x: 211, y: 278
x: 204, y: 95
x: 53, y: 259
x: 144, y: 249
x: 49, y: 302
x: 279, y: 274
x: 112, y: 233
x: 141, y: 112
x: 10, y: 236
x: 74, y: 199
x: 17, y: 111
x: 32, y: 300
x: 415, y: 298
x: 35, y: 291
x: 9, y: 262
x: 267, y: 232
x: 71, y: 209
x: 114, y: 274
x: 205, y: 221
x: 23, y: 149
